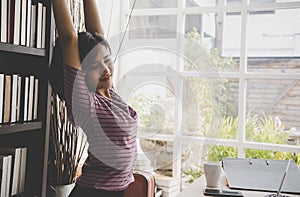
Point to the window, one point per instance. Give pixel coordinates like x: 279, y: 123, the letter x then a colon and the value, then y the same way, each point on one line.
x: 199, y: 3
x: 154, y: 4
x: 213, y: 82
x: 152, y: 27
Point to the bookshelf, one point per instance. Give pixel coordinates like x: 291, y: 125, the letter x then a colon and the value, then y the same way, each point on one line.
x: 28, y: 60
x: 22, y: 49
x: 19, y: 127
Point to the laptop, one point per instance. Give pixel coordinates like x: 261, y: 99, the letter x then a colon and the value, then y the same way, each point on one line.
x: 280, y: 186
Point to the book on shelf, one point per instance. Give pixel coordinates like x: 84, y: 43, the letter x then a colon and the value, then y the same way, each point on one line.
x: 18, y: 168
x: 17, y: 22
x: 5, y: 169
x: 33, y: 25
x: 25, y: 98
x: 3, y: 176
x: 44, y: 27
x: 22, y: 169
x: 10, y: 21
x: 166, y: 181
x: 30, y: 98
x: 16, y: 156
x: 169, y: 190
x: 4, y: 4
x: 23, y: 22
x: 19, y: 98
x: 35, y: 99
x: 7, y: 96
x: 1, y: 96
x: 28, y: 23
x: 39, y: 25
x: 13, y: 104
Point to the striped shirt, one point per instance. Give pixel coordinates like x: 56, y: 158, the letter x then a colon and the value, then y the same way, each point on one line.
x: 110, y: 126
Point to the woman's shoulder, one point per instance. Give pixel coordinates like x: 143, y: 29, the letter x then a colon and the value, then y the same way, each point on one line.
x: 72, y: 72
x: 69, y: 67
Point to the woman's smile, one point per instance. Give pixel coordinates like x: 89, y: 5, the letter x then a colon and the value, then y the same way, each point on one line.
x: 105, y: 77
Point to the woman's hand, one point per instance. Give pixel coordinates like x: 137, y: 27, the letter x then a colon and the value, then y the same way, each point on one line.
x: 78, y: 172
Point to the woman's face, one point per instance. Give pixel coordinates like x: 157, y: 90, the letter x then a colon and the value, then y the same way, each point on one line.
x: 99, y: 70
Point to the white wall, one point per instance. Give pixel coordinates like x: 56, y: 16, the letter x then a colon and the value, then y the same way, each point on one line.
x: 274, y: 34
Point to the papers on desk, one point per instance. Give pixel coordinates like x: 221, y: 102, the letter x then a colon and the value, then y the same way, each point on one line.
x: 261, y: 175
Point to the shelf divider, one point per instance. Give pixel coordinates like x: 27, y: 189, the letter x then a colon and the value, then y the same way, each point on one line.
x: 19, y: 127
x: 22, y: 49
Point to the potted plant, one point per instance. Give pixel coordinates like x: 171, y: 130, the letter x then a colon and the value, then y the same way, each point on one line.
x: 68, y: 150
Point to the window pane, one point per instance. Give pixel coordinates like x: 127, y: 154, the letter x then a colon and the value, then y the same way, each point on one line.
x: 210, y: 107
x: 275, y: 34
x: 155, y: 3
x: 217, y: 153
x: 160, y: 154
x: 201, y: 3
x: 212, y: 42
x: 274, y: 42
x: 193, y: 21
x: 192, y: 159
x: 273, y: 64
x: 154, y: 103
x: 156, y: 58
x: 232, y: 36
x: 273, y: 110
x: 234, y: 2
x: 271, y: 1
x: 269, y: 154
x: 195, y: 154
x: 150, y: 27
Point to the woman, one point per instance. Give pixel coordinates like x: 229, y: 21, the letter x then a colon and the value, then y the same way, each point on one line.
x: 92, y: 103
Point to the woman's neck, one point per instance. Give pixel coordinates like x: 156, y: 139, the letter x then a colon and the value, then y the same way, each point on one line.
x: 104, y: 93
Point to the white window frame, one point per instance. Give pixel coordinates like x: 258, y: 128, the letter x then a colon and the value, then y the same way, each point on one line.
x: 242, y: 75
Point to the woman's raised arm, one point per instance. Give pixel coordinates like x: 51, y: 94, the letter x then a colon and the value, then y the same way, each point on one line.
x: 92, y: 17
x: 67, y: 34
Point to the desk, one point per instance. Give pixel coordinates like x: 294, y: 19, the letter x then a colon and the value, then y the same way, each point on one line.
x: 197, y: 187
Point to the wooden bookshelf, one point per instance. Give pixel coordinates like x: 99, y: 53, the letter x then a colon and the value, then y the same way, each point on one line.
x: 25, y: 61
x: 22, y: 49
x: 19, y: 127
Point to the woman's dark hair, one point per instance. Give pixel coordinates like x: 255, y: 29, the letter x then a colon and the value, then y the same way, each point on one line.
x: 86, y: 42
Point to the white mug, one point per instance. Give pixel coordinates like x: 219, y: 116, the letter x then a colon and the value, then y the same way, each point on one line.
x: 212, y: 172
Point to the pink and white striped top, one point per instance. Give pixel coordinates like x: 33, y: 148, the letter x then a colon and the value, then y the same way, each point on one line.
x: 110, y: 126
